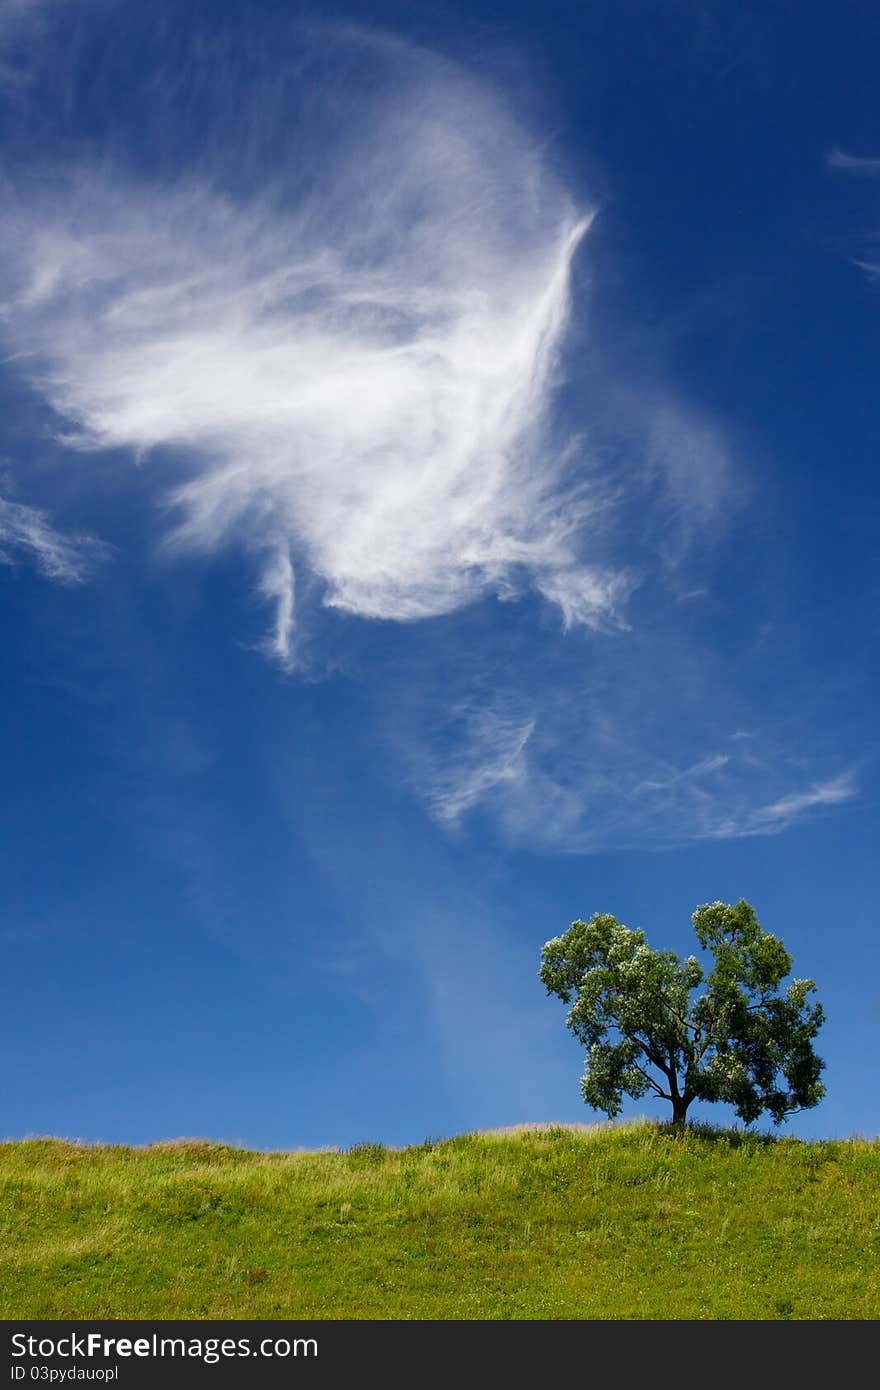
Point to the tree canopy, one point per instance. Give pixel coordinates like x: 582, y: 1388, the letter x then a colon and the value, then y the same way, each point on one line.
x: 682, y: 1031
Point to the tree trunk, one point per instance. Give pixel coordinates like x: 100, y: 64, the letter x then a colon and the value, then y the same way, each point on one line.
x: 679, y: 1110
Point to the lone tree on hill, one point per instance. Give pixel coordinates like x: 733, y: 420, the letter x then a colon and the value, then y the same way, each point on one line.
x: 654, y: 1023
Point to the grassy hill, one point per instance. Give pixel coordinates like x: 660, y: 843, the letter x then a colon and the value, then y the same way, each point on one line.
x: 626, y: 1222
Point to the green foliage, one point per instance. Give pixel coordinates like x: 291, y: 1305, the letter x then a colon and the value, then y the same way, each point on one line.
x: 367, y: 1155
x: 654, y: 1024
x: 611, y: 1222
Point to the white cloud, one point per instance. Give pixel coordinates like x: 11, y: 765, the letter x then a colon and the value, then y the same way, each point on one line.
x: 587, y: 764
x: 350, y: 361
x: 871, y: 270
x: 356, y: 366
x: 864, y: 166
x: 690, y: 457
x: 679, y: 475
x: 672, y: 777
x: 278, y: 587
x: 27, y: 530
x: 489, y: 754
x: 546, y: 807
x: 783, y: 812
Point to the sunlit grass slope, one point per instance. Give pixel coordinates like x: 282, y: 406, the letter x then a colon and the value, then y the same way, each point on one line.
x: 629, y: 1222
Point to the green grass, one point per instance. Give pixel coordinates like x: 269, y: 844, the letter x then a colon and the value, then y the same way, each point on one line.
x: 628, y: 1222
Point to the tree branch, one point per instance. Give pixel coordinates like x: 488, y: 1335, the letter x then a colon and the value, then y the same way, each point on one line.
x: 651, y: 1055
x: 761, y: 1004
x: 678, y: 1017
x: 651, y: 1082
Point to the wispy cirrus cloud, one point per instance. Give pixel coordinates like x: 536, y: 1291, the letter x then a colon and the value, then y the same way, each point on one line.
x: 863, y: 166
x: 780, y: 814
x: 356, y: 362
x: 27, y: 532
x: 344, y: 348
x: 870, y: 269
x: 490, y: 752
x: 625, y: 752
x: 576, y: 803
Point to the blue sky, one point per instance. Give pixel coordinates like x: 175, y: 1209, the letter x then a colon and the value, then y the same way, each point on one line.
x: 437, y: 501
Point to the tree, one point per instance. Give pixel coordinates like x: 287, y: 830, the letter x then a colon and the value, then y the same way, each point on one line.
x: 654, y: 1023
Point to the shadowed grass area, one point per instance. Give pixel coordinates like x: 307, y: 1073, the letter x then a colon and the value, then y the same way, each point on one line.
x: 625, y: 1222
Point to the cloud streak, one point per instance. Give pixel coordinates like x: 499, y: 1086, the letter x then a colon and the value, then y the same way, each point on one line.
x: 786, y: 810
x: 863, y: 166
x: 354, y: 365
x: 491, y: 753
x: 593, y: 760
x: 334, y: 328
x: 542, y: 802
x: 27, y: 531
